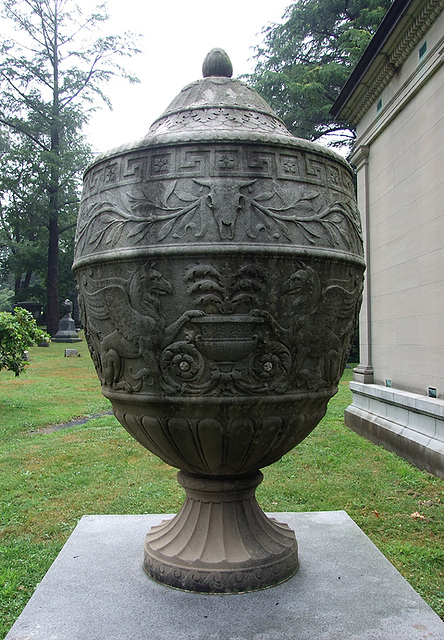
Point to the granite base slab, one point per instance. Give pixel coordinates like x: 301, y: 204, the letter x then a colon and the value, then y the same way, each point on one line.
x: 345, y: 589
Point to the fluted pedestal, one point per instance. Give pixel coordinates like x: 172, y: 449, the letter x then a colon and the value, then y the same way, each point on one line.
x: 220, y: 541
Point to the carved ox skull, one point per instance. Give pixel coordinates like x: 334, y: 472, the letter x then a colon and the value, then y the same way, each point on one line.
x: 226, y: 202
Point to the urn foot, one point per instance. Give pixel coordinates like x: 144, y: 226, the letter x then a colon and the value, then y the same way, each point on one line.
x: 220, y: 541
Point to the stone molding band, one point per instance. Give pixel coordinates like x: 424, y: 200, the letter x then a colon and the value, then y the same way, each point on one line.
x: 148, y: 253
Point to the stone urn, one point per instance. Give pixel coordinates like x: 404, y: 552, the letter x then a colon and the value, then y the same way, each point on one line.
x: 219, y: 266
x: 67, y: 327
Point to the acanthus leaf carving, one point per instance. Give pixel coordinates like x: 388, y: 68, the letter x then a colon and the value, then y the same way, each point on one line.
x: 307, y: 212
x: 238, y: 210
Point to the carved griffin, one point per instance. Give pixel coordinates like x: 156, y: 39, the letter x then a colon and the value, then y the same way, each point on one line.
x: 133, y: 308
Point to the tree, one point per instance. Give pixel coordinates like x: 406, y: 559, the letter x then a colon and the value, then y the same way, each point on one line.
x: 52, y: 72
x: 18, y: 331
x: 6, y: 296
x: 304, y: 62
x: 23, y: 236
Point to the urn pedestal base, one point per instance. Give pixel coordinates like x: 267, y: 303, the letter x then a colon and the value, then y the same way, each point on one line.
x: 220, y: 541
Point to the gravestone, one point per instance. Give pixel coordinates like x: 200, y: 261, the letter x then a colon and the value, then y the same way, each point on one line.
x: 72, y: 353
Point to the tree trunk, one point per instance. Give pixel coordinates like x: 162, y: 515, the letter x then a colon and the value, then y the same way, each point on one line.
x: 27, y: 280
x: 52, y: 304
x: 18, y: 285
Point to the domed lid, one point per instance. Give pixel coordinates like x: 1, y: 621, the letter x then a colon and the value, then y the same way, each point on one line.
x: 218, y: 108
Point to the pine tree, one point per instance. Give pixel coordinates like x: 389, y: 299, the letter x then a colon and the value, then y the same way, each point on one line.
x: 52, y: 72
x: 304, y: 62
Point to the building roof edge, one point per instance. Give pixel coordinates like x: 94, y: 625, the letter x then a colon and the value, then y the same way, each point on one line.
x: 382, y: 35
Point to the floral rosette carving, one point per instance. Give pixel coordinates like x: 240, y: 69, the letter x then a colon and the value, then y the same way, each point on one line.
x: 181, y: 364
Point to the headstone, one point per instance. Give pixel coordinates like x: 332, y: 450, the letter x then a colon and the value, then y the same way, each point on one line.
x: 34, y: 307
x: 72, y: 353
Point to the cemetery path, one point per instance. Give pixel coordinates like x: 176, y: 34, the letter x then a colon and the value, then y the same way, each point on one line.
x: 73, y: 423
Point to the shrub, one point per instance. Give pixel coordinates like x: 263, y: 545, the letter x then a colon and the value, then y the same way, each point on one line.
x: 18, y: 331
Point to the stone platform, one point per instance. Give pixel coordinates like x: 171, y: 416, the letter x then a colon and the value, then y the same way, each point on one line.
x: 345, y: 590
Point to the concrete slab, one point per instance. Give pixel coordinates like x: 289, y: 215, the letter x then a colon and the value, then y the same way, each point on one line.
x: 345, y: 589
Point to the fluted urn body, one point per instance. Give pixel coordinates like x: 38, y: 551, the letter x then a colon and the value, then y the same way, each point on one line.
x: 219, y: 267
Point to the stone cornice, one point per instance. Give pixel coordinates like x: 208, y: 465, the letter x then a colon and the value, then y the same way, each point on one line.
x: 360, y: 156
x: 395, y: 59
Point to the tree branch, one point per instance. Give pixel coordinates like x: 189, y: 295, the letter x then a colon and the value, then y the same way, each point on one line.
x: 26, y: 99
x: 64, y: 103
x: 67, y: 227
x: 22, y: 129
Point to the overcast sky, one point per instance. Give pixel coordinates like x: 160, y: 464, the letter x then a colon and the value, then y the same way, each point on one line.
x: 176, y: 36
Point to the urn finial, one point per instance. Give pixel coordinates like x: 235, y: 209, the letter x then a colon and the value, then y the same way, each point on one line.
x: 217, y: 63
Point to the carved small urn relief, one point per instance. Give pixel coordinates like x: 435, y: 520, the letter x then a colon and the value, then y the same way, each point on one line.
x: 219, y: 266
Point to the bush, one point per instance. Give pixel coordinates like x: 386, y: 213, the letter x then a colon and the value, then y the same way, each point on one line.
x: 18, y: 331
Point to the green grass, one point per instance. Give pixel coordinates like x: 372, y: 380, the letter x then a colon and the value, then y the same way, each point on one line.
x: 50, y: 480
x: 53, y: 389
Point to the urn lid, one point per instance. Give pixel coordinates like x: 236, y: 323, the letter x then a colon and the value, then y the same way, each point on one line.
x: 218, y: 108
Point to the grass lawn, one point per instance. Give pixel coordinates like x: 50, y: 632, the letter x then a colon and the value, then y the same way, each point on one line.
x: 51, y: 478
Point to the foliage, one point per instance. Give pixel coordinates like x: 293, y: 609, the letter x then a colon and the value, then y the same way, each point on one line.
x: 23, y: 234
x: 18, y: 331
x: 304, y: 62
x: 224, y: 291
x: 6, y: 296
x: 51, y: 74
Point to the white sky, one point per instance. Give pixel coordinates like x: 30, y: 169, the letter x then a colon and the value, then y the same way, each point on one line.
x: 177, y: 35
